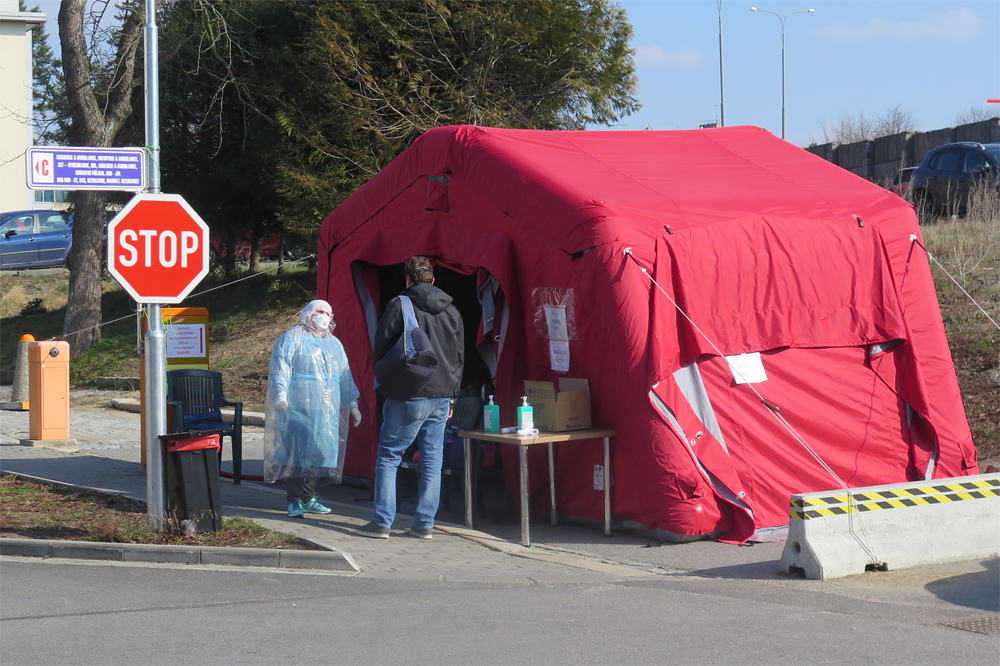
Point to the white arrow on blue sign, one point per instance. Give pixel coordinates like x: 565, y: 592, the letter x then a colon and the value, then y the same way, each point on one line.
x: 85, y: 168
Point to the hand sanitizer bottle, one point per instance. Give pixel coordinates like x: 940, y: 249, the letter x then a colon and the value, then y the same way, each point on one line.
x: 491, y: 417
x: 525, y: 417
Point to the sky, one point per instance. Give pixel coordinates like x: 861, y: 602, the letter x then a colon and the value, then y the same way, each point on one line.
x: 936, y: 58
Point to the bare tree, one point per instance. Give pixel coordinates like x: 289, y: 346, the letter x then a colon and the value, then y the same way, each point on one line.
x: 850, y: 128
x: 894, y: 121
x: 975, y: 114
x: 100, y: 100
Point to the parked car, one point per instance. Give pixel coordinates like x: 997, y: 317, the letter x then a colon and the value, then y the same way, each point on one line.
x: 270, y: 245
x: 942, y: 182
x: 35, y: 239
x: 901, y: 183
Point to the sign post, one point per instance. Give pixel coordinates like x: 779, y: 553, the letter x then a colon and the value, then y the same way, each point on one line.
x: 155, y: 361
x: 158, y: 249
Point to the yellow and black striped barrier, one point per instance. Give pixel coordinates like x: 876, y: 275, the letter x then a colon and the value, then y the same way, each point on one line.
x: 803, y: 508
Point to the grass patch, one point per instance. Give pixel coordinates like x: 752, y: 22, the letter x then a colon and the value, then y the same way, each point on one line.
x: 969, y: 248
x: 40, y: 511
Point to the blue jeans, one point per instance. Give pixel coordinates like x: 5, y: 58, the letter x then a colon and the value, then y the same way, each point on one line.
x: 423, y: 420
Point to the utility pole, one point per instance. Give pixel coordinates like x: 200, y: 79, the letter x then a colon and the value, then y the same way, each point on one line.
x: 155, y: 352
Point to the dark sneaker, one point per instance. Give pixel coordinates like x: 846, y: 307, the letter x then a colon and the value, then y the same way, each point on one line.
x: 373, y: 531
x: 421, y: 532
x: 313, y: 506
x: 295, y: 509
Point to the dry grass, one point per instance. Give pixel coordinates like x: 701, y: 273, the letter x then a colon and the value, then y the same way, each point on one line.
x: 969, y: 248
x: 38, y: 511
x: 16, y: 290
x: 56, y: 297
x: 12, y: 299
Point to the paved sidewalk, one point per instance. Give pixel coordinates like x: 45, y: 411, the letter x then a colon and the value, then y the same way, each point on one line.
x: 109, y: 460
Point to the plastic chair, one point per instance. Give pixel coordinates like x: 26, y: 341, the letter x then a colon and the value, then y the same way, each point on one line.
x: 198, y: 399
x: 465, y: 414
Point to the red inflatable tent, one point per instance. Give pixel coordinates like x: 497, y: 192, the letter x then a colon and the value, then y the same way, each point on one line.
x: 753, y: 320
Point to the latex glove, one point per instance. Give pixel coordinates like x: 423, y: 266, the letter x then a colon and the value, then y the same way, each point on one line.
x: 356, y: 415
x: 280, y: 406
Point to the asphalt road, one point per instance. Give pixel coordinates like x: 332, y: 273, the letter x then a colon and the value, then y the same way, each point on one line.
x: 78, y: 613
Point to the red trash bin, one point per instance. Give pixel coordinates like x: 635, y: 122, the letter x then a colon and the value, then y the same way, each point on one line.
x: 193, y: 480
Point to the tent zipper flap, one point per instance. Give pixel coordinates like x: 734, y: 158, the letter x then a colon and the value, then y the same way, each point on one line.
x: 721, y: 488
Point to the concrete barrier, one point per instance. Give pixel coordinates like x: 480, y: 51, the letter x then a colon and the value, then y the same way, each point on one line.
x: 893, y: 527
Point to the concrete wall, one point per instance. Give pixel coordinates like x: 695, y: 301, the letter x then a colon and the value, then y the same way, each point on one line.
x: 880, y: 160
x: 15, y: 99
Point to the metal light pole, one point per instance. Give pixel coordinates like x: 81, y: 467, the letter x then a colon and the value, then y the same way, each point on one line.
x: 722, y: 78
x: 155, y: 360
x: 782, y: 19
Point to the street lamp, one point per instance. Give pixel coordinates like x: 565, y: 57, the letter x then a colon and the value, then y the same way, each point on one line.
x: 722, y: 78
x: 782, y: 19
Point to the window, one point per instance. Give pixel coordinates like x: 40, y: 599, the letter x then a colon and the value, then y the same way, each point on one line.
x: 947, y: 161
x: 974, y: 161
x: 52, y: 222
x: 51, y: 196
x: 22, y: 224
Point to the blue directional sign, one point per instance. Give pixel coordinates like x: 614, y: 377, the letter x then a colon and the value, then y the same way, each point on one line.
x: 83, y: 168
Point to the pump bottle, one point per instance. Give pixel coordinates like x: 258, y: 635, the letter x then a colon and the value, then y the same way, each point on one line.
x: 525, y: 417
x: 491, y: 417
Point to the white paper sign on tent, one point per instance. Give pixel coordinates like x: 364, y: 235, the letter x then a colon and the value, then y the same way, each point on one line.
x: 747, y: 368
x: 559, y: 353
x: 555, y: 317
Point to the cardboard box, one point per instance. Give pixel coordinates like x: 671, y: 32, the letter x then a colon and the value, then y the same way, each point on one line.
x: 567, y: 409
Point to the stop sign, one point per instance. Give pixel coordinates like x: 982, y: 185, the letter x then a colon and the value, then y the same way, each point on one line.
x: 158, y: 248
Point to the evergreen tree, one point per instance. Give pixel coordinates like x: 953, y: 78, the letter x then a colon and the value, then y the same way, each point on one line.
x: 51, y: 106
x: 279, y: 109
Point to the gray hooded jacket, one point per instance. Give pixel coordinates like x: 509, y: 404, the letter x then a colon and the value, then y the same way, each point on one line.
x: 439, y: 319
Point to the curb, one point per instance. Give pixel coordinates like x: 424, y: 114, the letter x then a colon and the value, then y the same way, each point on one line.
x: 564, y: 558
x: 335, y: 560
x: 118, y: 383
x: 249, y: 418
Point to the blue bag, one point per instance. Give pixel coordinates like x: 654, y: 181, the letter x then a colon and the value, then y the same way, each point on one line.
x: 408, y: 366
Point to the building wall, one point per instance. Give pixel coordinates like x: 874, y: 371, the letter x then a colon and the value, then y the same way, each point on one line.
x: 16, y: 124
x: 880, y: 160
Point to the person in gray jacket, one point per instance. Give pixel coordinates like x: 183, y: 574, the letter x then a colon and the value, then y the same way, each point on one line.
x: 423, y: 416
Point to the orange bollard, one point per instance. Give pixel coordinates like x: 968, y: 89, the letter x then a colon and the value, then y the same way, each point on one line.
x: 48, y: 395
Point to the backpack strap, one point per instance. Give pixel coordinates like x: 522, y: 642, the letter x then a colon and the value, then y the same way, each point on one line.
x: 409, y: 323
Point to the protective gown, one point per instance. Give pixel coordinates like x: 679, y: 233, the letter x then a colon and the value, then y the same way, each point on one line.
x: 310, y: 372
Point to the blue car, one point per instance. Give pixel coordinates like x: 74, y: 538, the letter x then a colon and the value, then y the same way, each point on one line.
x: 35, y: 239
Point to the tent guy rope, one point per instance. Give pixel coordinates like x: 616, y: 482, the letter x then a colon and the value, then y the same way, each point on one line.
x: 914, y: 239
x: 865, y: 539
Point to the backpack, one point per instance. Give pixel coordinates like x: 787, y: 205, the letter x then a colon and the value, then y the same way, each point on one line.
x: 408, y: 366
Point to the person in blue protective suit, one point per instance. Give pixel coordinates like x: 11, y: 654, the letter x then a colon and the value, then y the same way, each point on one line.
x: 310, y: 396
